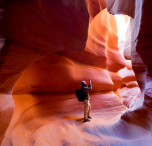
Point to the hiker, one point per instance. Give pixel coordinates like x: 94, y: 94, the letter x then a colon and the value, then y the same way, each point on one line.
x: 87, y: 106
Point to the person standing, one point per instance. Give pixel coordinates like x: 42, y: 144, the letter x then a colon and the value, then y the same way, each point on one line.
x: 87, y: 105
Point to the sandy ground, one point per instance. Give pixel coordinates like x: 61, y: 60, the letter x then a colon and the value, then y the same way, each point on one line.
x: 57, y: 120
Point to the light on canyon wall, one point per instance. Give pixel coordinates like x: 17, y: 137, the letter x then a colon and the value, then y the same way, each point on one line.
x: 122, y: 23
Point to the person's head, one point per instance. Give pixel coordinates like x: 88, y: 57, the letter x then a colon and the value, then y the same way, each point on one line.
x: 83, y: 83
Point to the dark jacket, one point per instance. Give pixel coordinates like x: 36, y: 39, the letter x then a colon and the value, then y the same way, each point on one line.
x: 85, y: 91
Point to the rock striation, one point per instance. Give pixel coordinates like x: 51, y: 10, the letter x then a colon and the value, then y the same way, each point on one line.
x: 51, y: 46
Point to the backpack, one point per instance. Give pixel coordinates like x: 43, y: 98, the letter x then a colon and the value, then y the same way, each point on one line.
x: 79, y: 94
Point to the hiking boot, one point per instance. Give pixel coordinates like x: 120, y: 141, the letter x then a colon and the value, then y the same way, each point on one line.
x: 86, y: 120
x: 89, y: 117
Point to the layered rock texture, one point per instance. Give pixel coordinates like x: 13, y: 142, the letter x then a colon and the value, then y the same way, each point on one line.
x: 49, y: 48
x: 140, y: 45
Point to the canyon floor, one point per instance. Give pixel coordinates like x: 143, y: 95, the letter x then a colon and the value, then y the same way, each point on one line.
x: 57, y: 120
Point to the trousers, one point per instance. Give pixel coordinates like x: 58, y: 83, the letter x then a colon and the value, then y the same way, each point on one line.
x: 87, y: 108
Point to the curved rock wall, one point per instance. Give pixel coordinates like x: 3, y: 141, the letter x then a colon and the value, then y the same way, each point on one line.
x: 100, y: 61
x: 32, y: 30
x: 52, y: 45
x: 121, y: 7
x: 141, y: 61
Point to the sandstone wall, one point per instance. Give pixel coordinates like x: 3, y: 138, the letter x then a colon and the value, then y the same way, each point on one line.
x: 52, y: 45
x: 140, y: 32
x: 32, y: 29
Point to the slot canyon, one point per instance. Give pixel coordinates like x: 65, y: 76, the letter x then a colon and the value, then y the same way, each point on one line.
x: 47, y: 47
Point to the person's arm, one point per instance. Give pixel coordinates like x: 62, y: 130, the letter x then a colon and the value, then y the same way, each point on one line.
x: 90, y: 86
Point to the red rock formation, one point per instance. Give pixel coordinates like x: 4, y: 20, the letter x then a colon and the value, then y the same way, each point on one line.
x: 57, y: 119
x: 50, y: 47
x: 140, y: 32
x: 121, y: 7
x: 33, y: 29
x: 91, y: 63
x: 61, y: 70
x: 129, y: 90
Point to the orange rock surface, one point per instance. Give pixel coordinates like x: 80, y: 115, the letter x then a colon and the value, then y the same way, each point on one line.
x: 50, y: 47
